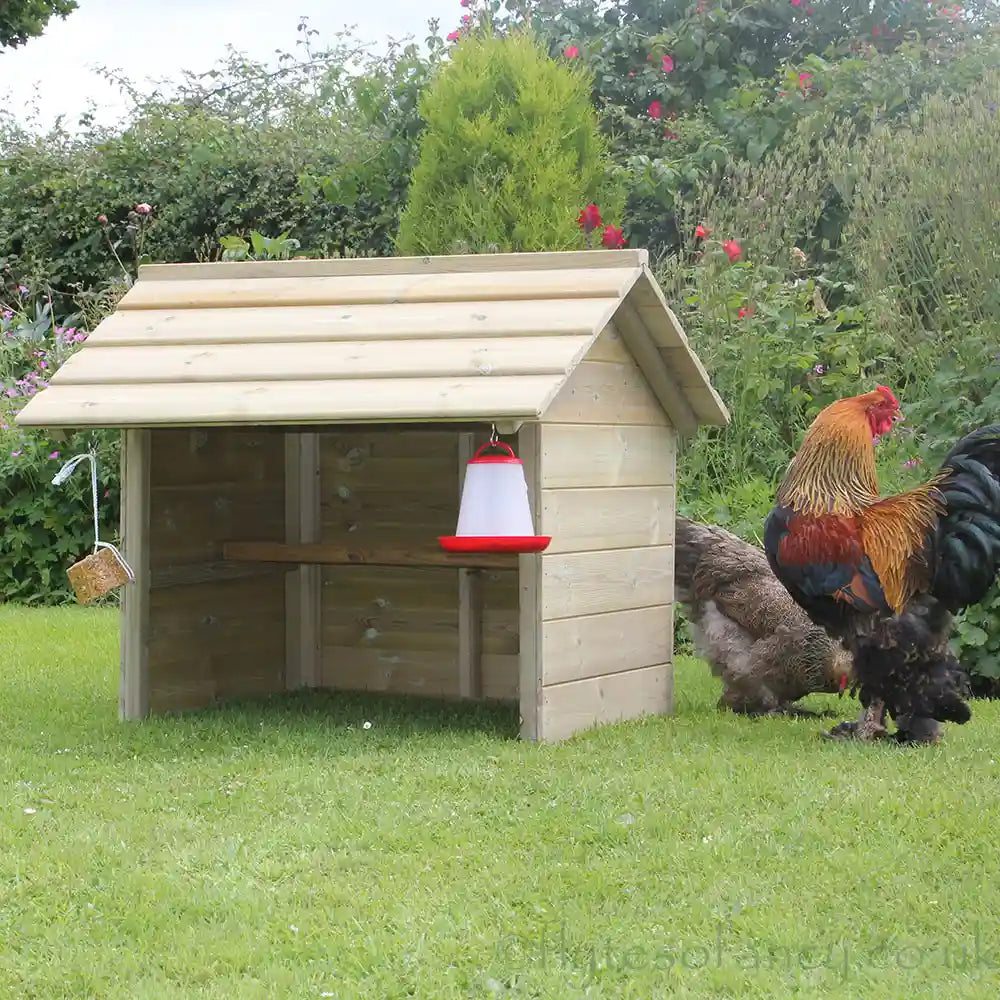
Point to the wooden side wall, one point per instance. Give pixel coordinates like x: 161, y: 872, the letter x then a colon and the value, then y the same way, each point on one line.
x: 215, y: 630
x: 603, y: 590
x: 397, y: 629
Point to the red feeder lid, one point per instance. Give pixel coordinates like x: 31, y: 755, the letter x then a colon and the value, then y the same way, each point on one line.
x: 510, y: 458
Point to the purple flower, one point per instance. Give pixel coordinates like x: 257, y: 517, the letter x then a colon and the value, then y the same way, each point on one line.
x: 22, y: 289
x: 8, y: 313
x: 819, y: 369
x: 911, y: 462
x: 14, y: 454
x: 54, y: 455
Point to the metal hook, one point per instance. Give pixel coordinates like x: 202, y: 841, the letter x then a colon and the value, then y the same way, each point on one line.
x: 494, y: 437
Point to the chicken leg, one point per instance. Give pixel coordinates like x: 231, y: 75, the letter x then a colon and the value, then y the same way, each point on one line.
x: 869, y: 727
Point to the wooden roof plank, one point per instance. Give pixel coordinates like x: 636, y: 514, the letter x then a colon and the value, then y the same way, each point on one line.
x: 228, y: 293
x: 442, y: 264
x: 301, y: 402
x: 376, y: 322
x: 686, y: 370
x: 642, y: 347
x: 339, y: 360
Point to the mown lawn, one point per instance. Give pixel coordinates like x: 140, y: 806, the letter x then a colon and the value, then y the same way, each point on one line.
x: 284, y: 850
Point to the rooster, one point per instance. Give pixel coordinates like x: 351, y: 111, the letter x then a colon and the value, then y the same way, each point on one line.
x: 885, y: 575
x: 746, y: 625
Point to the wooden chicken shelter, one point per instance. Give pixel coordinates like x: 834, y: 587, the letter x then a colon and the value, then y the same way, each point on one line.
x: 295, y: 435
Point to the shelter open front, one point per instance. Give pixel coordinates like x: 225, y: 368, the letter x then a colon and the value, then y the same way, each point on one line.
x: 268, y: 573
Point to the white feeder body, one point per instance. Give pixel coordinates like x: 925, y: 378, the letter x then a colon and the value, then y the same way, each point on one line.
x: 495, y: 499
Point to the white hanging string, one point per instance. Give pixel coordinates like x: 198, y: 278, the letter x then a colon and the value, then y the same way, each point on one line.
x: 63, y: 474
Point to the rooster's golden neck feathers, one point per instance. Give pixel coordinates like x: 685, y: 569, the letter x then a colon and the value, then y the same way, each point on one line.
x: 834, y: 469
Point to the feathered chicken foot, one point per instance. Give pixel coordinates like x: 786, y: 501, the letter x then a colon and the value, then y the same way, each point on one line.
x: 869, y: 727
x: 912, y: 729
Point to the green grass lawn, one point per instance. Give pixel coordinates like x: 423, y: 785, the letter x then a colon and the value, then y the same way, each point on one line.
x: 284, y: 850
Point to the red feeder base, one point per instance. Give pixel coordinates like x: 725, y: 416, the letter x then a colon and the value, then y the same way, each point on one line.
x: 494, y: 543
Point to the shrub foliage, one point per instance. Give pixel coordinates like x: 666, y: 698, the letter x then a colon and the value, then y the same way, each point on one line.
x: 510, y: 154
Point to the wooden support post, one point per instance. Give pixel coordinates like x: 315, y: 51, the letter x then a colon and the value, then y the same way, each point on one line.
x: 470, y: 602
x: 304, y: 585
x: 529, y: 442
x: 133, y: 689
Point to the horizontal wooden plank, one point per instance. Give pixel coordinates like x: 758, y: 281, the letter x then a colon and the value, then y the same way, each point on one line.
x: 216, y: 639
x: 188, y: 525
x: 208, y: 572
x: 585, y: 583
x: 312, y: 360
x: 378, y: 589
x: 430, y: 673
x: 575, y: 648
x: 360, y: 518
x: 336, y: 555
x: 599, y: 392
x: 378, y: 478
x: 370, y: 478
x: 229, y: 458
x: 227, y: 293
x: 570, y: 708
x: 218, y: 600
x: 360, y: 322
x: 583, y: 520
x: 416, y: 627
x: 425, y: 672
x: 348, y: 450
x: 316, y: 402
x: 581, y: 455
x: 436, y: 264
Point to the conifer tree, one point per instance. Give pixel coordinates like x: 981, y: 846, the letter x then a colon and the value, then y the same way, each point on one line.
x: 510, y: 157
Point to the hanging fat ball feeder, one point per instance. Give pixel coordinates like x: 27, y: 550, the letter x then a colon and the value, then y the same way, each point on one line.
x: 495, y: 513
x: 105, y: 568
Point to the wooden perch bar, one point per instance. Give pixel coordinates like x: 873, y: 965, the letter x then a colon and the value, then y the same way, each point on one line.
x: 336, y: 555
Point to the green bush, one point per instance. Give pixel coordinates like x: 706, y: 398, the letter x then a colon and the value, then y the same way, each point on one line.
x: 47, y: 528
x: 683, y: 88
x: 510, y: 155
x: 320, y: 149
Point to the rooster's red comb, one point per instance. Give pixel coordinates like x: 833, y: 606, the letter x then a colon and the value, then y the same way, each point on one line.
x: 888, y: 393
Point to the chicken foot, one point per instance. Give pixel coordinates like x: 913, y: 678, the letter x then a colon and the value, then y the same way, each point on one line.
x: 915, y: 729
x: 869, y: 727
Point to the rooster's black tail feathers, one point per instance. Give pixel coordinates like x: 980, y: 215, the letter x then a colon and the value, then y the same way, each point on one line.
x: 967, y: 543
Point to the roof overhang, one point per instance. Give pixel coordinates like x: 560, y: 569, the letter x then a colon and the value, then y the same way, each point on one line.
x: 479, y: 337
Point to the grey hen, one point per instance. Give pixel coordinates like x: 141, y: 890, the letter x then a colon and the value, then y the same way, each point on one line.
x: 746, y: 625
